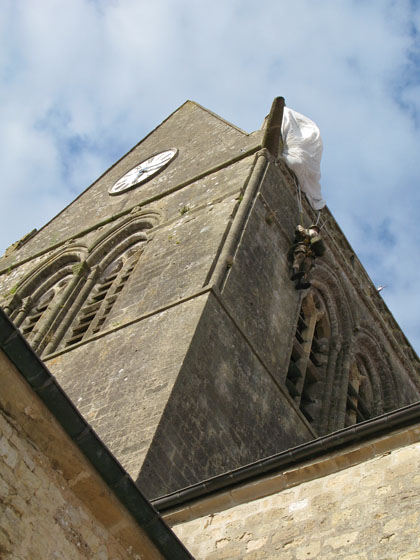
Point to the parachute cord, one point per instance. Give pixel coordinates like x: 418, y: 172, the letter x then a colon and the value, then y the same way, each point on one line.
x: 299, y: 200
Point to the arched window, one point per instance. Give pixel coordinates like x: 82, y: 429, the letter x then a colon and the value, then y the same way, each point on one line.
x: 308, y: 361
x: 360, y: 403
x: 40, y: 307
x: 109, y: 265
x: 40, y: 299
x: 70, y: 297
x: 100, y: 301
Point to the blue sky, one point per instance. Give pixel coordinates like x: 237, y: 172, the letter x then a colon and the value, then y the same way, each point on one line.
x: 81, y: 82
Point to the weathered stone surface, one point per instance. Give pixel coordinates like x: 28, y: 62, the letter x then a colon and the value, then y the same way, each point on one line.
x: 40, y: 515
x: 258, y: 290
x: 196, y: 384
x: 225, y: 411
x: 177, y: 261
x: 125, y: 401
x: 342, y: 515
x: 204, y: 141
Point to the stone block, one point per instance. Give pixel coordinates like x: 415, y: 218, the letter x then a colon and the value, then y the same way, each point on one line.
x: 310, y: 550
x: 9, y: 453
x: 6, y: 429
x: 5, y: 489
x: 389, y: 443
x: 214, y: 504
x: 357, y: 455
x: 415, y: 555
x: 414, y: 433
x: 342, y: 541
x: 230, y: 552
x: 309, y: 472
x: 263, y: 487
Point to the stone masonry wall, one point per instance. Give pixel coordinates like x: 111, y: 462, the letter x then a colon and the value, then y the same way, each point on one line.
x: 41, y: 518
x: 225, y: 411
x: 204, y: 142
x: 370, y: 511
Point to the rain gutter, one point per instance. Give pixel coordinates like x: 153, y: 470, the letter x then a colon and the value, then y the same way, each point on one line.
x: 399, y: 418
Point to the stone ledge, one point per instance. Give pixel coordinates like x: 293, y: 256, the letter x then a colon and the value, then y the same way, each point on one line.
x: 309, y: 470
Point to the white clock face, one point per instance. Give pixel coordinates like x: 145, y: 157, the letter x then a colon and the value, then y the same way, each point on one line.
x: 143, y: 171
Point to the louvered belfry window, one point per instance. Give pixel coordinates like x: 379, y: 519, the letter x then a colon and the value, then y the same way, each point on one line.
x: 71, y: 296
x: 98, y: 305
x: 34, y: 316
x: 37, y: 310
x: 359, y: 393
x: 309, y: 357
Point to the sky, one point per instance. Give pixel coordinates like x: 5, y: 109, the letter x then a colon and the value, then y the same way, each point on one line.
x: 81, y: 82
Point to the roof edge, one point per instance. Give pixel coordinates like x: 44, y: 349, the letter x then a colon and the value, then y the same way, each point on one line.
x: 120, y: 484
x: 399, y: 418
x: 35, y: 232
x: 215, y: 115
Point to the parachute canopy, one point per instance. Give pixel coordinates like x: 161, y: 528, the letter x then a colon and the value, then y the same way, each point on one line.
x: 302, y: 151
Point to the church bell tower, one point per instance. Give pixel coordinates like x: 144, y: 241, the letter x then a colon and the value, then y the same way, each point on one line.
x: 161, y: 300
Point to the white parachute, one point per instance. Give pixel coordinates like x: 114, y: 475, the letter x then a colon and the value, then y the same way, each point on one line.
x: 302, y: 151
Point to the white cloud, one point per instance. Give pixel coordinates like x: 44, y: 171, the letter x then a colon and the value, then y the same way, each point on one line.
x: 83, y: 81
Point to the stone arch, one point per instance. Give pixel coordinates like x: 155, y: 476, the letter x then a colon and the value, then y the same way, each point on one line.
x: 309, y: 357
x: 327, y: 315
x: 336, y: 297
x: 353, y: 353
x: 120, y: 237
x: 370, y: 351
x: 40, y: 299
x: 111, y: 260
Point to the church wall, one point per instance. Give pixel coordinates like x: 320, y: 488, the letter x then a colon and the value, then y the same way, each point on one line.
x: 189, y: 227
x: 204, y: 142
x: 123, y: 376
x: 370, y: 511
x: 366, y: 322
x: 225, y: 411
x: 50, y: 509
x: 265, y: 306
x: 40, y: 515
x: 200, y: 198
x: 258, y: 292
x: 178, y: 258
x: 121, y: 382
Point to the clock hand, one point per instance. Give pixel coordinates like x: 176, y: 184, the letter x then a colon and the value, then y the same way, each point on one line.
x: 153, y: 167
x: 140, y: 172
x: 144, y: 170
x: 160, y: 163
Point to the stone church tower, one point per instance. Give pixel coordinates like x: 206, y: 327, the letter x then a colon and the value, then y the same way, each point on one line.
x: 162, y: 302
